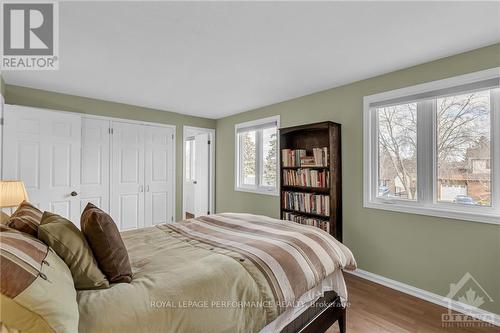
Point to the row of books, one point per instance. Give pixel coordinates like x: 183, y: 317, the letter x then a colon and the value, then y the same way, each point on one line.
x: 306, y: 177
x: 299, y: 157
x: 292, y: 157
x: 325, y: 225
x: 307, y: 202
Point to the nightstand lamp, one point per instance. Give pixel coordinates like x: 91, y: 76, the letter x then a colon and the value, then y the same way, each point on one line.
x: 12, y: 193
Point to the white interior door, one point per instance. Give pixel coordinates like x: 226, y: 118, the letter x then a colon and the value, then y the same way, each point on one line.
x: 159, y: 175
x: 95, y: 163
x: 42, y: 148
x: 189, y: 177
x: 202, y: 172
x: 127, y: 175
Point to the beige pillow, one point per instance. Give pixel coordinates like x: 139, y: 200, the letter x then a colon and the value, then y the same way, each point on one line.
x: 70, y: 244
x: 37, y: 293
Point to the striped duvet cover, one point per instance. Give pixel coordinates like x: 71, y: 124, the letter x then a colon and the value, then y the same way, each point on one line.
x: 292, y: 258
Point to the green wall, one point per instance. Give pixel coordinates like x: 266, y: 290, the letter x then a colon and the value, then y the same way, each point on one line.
x: 425, y: 252
x: 2, y: 85
x: 51, y: 100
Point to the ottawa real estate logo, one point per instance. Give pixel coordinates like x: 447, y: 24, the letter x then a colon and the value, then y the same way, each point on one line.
x: 467, y: 296
x: 30, y: 35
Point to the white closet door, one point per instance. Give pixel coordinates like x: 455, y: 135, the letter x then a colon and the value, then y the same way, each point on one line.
x: 159, y: 175
x: 42, y: 148
x: 95, y: 163
x: 127, y: 175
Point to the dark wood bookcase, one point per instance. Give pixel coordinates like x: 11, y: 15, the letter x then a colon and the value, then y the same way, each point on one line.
x: 318, y: 135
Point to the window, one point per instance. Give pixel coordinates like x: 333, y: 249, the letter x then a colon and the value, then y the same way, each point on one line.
x: 257, y: 156
x: 464, y: 147
x: 190, y: 159
x: 433, y: 149
x: 397, y: 146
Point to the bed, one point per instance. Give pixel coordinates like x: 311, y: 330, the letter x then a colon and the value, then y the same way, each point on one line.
x: 224, y: 273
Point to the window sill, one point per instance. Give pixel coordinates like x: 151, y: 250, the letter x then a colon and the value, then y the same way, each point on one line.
x: 257, y: 191
x: 458, y: 213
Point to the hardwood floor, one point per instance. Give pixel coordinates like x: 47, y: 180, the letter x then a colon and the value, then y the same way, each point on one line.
x: 378, y: 309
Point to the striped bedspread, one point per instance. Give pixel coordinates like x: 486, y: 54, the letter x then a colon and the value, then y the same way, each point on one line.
x: 293, y: 258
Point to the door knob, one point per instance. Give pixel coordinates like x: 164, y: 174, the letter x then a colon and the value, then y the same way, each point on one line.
x: 73, y: 194
x: 195, y: 182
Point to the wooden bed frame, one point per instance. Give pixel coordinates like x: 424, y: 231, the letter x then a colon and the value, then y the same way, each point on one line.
x: 326, y: 318
x: 319, y: 321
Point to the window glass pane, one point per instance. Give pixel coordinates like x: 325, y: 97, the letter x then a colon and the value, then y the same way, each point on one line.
x: 397, y: 149
x: 248, y: 157
x: 269, y: 150
x: 463, y: 149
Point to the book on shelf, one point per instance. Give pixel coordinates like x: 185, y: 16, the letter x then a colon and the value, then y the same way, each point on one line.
x: 306, y: 177
x: 307, y: 202
x: 325, y: 225
x: 300, y: 158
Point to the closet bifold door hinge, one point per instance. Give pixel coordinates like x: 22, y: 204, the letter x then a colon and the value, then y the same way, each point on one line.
x: 209, y: 142
x: 110, y: 130
x: 1, y: 121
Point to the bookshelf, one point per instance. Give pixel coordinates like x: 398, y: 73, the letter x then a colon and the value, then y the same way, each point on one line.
x: 311, y: 176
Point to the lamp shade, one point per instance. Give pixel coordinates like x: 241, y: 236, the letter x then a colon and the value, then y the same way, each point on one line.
x: 12, y: 193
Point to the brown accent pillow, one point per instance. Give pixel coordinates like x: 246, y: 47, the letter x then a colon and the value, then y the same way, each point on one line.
x: 71, y: 246
x: 26, y: 218
x: 106, y: 243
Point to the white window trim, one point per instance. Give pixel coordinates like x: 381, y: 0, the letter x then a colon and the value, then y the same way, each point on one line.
x: 273, y: 191
x: 426, y: 204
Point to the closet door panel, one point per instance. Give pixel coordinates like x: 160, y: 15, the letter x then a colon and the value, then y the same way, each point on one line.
x: 130, y: 211
x: 159, y: 175
x: 42, y: 148
x: 95, y: 163
x: 127, y: 190
x: 28, y: 164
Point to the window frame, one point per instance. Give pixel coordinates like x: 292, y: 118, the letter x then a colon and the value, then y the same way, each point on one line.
x: 257, y: 188
x: 426, y: 202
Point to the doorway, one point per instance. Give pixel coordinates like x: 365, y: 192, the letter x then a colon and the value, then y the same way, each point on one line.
x: 198, y: 172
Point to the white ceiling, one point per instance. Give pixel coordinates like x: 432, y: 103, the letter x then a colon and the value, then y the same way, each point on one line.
x: 213, y: 59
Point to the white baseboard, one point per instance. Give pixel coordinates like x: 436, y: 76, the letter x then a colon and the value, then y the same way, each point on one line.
x: 428, y: 296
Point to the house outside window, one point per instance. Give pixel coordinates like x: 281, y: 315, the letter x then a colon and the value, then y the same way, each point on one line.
x: 257, y: 146
x: 433, y: 149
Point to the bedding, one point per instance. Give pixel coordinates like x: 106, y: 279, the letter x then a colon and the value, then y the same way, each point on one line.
x: 218, y: 273
x: 37, y: 292
x: 70, y: 245
x: 106, y: 243
x: 26, y: 218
